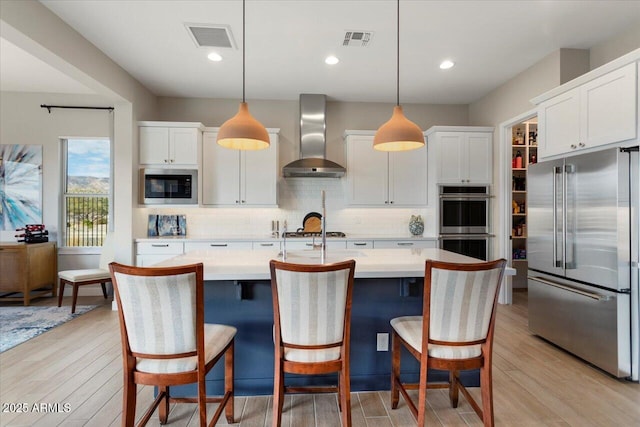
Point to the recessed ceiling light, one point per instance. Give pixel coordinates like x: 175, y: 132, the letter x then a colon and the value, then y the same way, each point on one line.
x: 446, y: 64
x: 331, y: 60
x: 214, y: 57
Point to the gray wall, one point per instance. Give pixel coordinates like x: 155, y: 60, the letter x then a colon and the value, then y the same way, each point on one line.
x: 615, y: 47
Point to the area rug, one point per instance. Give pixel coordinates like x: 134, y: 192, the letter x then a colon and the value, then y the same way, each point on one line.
x: 19, y: 324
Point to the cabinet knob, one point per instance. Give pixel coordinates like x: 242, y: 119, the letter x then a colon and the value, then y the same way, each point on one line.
x: 166, y: 161
x: 237, y: 201
x: 242, y: 201
x: 386, y: 202
x: 574, y: 146
x: 581, y: 144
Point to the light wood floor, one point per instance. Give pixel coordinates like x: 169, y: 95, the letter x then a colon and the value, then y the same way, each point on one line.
x: 535, y: 384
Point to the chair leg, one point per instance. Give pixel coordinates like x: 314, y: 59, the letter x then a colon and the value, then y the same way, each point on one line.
x: 202, y: 399
x: 104, y: 289
x: 345, y: 396
x: 278, y: 393
x: 61, y: 293
x: 163, y: 410
x: 395, y: 370
x: 453, y: 388
x: 228, y: 383
x: 75, y: 298
x: 486, y: 389
x: 422, y: 392
x: 339, y: 392
x: 128, y: 402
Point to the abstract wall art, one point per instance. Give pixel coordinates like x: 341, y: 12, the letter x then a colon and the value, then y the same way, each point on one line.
x: 20, y: 185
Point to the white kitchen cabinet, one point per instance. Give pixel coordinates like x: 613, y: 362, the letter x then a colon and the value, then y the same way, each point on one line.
x: 378, y: 178
x: 404, y: 244
x: 300, y: 244
x: 599, y: 112
x: 150, y: 253
x: 169, y: 143
x: 266, y: 245
x: 216, y: 245
x: 463, y: 154
x: 359, y: 244
x: 239, y: 178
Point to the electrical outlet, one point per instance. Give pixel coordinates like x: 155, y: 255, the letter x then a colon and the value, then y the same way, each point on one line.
x: 382, y: 342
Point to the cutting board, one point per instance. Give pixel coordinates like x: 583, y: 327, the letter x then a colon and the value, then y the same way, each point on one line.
x: 313, y: 225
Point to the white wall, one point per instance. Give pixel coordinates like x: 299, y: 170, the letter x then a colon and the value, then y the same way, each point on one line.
x: 34, y: 28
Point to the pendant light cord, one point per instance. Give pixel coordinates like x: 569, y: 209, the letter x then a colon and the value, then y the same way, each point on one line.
x: 243, y: 50
x: 398, y: 54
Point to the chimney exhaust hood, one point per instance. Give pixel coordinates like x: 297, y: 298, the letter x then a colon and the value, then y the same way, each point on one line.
x: 312, y: 162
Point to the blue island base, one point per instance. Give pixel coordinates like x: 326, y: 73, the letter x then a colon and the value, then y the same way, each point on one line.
x: 248, y: 307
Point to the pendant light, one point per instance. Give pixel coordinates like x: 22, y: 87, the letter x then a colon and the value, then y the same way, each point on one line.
x: 242, y: 131
x: 399, y: 133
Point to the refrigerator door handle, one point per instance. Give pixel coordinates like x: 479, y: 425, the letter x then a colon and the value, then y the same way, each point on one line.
x: 556, y: 262
x: 592, y: 295
x: 570, y: 217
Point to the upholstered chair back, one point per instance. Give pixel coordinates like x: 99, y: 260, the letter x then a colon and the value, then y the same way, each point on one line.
x: 108, y: 253
x: 159, y: 312
x: 462, y: 303
x: 312, y: 312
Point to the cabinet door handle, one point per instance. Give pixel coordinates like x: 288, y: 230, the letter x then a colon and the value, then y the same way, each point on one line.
x: 359, y: 244
x: 218, y: 245
x: 157, y: 245
x: 266, y: 244
x: 405, y: 243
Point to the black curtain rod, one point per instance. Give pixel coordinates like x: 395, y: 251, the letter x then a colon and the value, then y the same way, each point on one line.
x: 49, y: 107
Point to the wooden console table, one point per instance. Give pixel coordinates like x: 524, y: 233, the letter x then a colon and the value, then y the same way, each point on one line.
x: 28, y: 271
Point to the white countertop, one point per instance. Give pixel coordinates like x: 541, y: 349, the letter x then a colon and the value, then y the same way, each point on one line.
x: 370, y: 263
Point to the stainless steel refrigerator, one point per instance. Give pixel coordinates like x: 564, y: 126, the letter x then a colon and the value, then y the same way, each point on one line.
x: 583, y: 257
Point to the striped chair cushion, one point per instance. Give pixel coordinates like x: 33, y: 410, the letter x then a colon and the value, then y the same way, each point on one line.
x: 216, y: 338
x: 312, y: 309
x: 410, y: 329
x: 159, y: 312
x: 460, y: 311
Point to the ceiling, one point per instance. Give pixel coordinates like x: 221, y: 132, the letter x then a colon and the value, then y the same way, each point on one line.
x: 287, y: 42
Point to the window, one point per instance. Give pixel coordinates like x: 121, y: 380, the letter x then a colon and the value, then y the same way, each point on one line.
x: 86, y: 191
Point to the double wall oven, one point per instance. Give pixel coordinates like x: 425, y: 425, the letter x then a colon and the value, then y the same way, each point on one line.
x: 464, y: 220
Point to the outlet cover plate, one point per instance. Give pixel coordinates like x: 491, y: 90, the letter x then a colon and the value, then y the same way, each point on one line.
x: 382, y: 342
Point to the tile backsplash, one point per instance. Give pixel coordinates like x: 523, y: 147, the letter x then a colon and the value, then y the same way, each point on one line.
x: 297, y: 197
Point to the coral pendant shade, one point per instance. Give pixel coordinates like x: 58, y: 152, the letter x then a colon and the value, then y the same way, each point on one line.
x: 243, y: 132
x: 398, y: 134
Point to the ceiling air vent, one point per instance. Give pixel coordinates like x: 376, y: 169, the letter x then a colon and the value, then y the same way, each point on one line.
x: 207, y: 35
x: 357, y: 38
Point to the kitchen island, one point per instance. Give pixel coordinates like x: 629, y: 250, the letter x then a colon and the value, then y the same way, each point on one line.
x: 388, y: 284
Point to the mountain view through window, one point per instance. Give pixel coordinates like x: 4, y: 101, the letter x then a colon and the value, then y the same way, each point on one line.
x: 86, y: 191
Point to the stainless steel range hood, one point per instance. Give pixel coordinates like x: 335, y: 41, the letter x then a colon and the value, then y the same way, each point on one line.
x: 312, y: 162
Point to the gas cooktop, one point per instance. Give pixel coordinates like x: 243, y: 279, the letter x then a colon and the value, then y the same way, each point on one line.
x: 313, y: 234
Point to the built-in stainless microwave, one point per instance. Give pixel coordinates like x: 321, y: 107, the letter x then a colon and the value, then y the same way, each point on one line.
x: 168, y: 186
x: 464, y: 210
